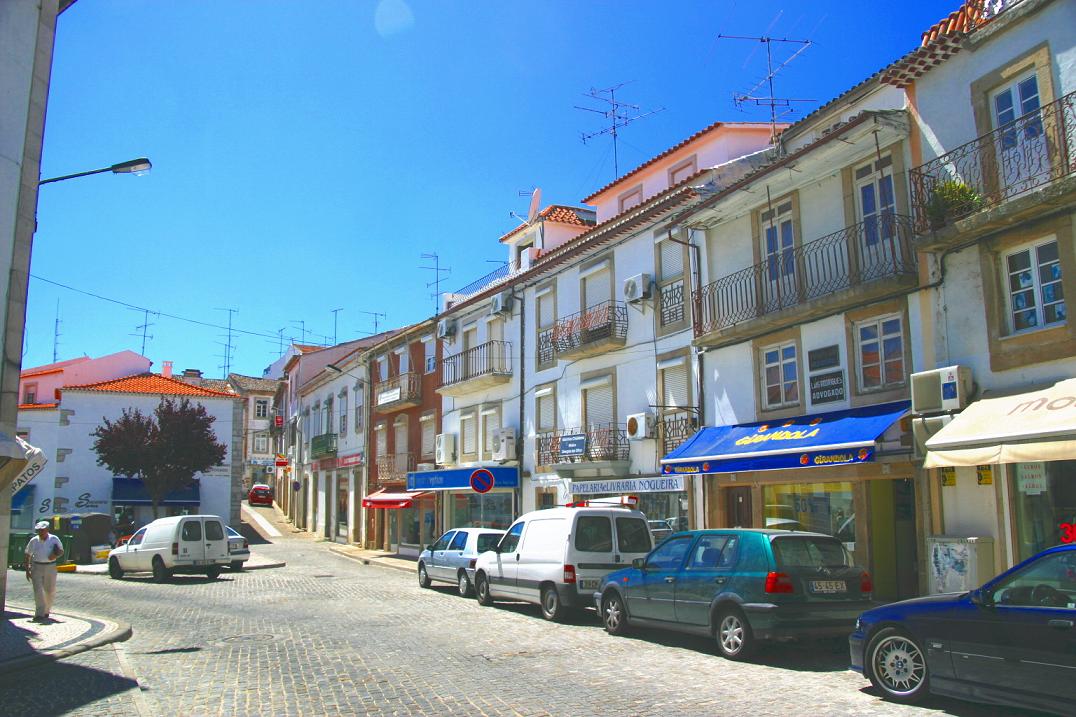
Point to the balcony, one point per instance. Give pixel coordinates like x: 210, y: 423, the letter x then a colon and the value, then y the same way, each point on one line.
x: 675, y: 428
x: 398, y: 392
x: 861, y: 263
x: 486, y: 365
x: 1001, y: 178
x: 323, y: 445
x: 393, y: 468
x: 594, y: 331
x: 604, y: 446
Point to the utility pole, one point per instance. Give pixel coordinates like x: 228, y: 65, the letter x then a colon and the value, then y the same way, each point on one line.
x: 334, y: 313
x: 619, y: 115
x: 227, y: 365
x: 437, y: 270
x: 770, y: 101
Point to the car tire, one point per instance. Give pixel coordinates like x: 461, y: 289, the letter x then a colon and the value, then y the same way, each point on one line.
x: 614, y: 616
x: 552, y: 606
x: 237, y: 565
x: 481, y: 590
x: 463, y: 584
x: 161, y: 574
x: 735, y: 639
x: 213, y: 572
x: 114, y: 570
x: 896, y: 666
x: 423, y: 577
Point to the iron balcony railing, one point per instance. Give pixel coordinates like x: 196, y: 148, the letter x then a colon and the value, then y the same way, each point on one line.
x: 323, y: 445
x: 877, y: 248
x: 675, y: 428
x: 603, y: 442
x: 671, y: 299
x: 547, y: 353
x: 607, y: 320
x: 393, y: 467
x: 493, y: 358
x: 495, y: 277
x: 397, y: 389
x: 1032, y: 150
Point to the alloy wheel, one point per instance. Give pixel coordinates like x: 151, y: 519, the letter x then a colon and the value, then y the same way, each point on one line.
x: 731, y: 634
x: 899, y: 665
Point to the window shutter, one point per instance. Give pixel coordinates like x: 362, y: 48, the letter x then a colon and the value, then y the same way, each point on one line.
x: 400, y: 430
x: 597, y: 288
x: 672, y: 260
x: 674, y: 386
x: 428, y: 436
x: 545, y: 310
x: 467, y: 435
x: 545, y: 412
x: 599, y: 405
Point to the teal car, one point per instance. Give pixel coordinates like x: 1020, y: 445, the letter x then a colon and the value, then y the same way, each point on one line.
x: 740, y: 587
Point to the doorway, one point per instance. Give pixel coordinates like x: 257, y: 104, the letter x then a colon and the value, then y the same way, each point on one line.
x: 893, y: 539
x: 738, y: 512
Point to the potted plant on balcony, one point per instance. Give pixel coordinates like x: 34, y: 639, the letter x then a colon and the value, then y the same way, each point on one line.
x: 951, y: 198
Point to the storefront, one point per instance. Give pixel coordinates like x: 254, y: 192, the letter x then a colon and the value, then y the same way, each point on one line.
x: 346, y: 479
x: 843, y: 473
x: 131, y: 503
x: 410, y: 521
x: 482, y: 497
x: 664, y: 499
x: 1026, y: 444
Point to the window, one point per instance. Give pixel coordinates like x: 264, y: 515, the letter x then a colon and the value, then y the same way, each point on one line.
x: 429, y: 353
x: 428, y: 434
x: 1012, y: 101
x: 1049, y: 582
x: 213, y: 530
x: 491, y: 423
x: 399, y: 437
x: 597, y: 285
x: 358, y: 409
x: 261, y: 408
x: 382, y: 368
x: 880, y: 347
x: 468, y: 443
x: 670, y: 282
x: 632, y: 535
x: 328, y: 417
x: 192, y: 530
x: 780, y: 376
x: 443, y: 542
x: 511, y: 538
x: 136, y: 539
x: 594, y: 533
x: 343, y: 412
x: 874, y: 183
x: 381, y: 437
x: 403, y: 361
x: 673, y: 375
x: 670, y: 554
x: 779, y: 250
x: 545, y: 409
x: 261, y: 442
x: 631, y: 198
x: 315, y: 420
x: 598, y: 402
x: 1033, y: 283
x: 680, y: 172
x: 546, y: 311
x: 459, y: 542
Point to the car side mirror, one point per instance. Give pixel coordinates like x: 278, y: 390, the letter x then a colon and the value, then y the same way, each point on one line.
x: 639, y: 563
x: 980, y: 598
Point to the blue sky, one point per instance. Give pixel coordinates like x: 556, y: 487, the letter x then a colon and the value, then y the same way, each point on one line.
x: 307, y: 153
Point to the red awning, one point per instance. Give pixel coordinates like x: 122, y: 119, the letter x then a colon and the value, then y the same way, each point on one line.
x: 381, y: 499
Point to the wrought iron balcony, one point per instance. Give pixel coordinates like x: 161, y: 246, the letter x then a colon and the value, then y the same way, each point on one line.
x: 1029, y: 152
x: 479, y: 367
x: 547, y: 354
x: 393, y: 467
x: 592, y: 331
x: 675, y: 428
x: 323, y: 445
x: 838, y: 268
x: 671, y: 302
x: 398, y: 392
x: 606, y: 443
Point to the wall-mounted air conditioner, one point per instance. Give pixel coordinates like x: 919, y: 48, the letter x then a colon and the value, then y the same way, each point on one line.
x: 501, y: 303
x: 922, y: 431
x: 504, y: 444
x: 444, y: 449
x: 640, y: 426
x: 943, y: 389
x: 446, y: 328
x: 637, y: 288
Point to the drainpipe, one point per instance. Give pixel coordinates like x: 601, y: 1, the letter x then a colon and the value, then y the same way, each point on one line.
x: 519, y: 443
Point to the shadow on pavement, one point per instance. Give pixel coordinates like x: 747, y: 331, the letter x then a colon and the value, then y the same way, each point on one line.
x: 960, y: 708
x: 55, y: 688
x: 253, y: 536
x: 176, y: 579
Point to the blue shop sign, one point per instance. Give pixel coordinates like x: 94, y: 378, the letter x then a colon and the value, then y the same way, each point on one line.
x: 460, y: 478
x: 573, y: 445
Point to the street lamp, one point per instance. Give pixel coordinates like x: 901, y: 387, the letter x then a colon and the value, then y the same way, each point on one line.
x: 131, y: 166
x: 333, y: 368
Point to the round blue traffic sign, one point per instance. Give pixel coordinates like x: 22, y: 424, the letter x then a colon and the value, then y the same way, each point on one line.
x: 482, y: 481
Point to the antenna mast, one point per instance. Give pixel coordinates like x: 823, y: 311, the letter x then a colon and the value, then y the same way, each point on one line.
x: 56, y: 334
x: 334, y: 313
x: 437, y: 278
x: 227, y: 365
x: 377, y: 315
x: 140, y: 330
x: 770, y: 101
x: 619, y: 115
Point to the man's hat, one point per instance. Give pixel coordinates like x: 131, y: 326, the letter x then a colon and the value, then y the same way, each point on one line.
x: 42, y: 525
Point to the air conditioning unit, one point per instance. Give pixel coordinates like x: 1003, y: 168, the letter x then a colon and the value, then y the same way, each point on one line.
x: 444, y: 449
x: 446, y: 328
x: 501, y: 303
x: 922, y: 431
x: 640, y: 426
x: 943, y: 389
x: 271, y: 470
x: 637, y: 288
x: 504, y: 444
x: 426, y: 467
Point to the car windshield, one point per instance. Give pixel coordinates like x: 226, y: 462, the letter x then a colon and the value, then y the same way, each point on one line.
x: 804, y: 551
x: 487, y: 541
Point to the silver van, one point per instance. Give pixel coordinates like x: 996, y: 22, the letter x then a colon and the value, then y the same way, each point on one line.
x: 180, y: 544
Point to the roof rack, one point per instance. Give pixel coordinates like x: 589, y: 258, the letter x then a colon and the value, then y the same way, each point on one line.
x: 616, y: 501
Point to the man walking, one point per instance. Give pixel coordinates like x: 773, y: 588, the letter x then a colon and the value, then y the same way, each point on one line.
x: 41, y: 554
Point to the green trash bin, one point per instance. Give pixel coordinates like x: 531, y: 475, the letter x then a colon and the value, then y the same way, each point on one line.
x: 16, y: 549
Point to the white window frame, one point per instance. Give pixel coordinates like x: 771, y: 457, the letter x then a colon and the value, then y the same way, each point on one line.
x: 781, y: 361
x: 1036, y: 287
x: 343, y: 412
x: 429, y: 353
x: 878, y: 322
x: 263, y: 438
x: 261, y: 408
x: 486, y: 446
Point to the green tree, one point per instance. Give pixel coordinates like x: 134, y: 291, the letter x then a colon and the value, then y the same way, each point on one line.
x: 165, y: 450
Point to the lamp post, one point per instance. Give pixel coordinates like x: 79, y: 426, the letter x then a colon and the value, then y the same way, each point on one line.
x: 131, y: 166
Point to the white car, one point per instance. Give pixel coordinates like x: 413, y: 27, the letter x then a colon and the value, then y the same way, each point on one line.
x: 180, y: 544
x: 238, y: 548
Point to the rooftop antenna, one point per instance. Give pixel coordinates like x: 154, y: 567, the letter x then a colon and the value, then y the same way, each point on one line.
x: 532, y: 212
x: 770, y: 101
x: 56, y: 334
x: 140, y: 330
x: 437, y: 278
x: 620, y: 114
x: 334, y: 313
x: 376, y: 315
x: 280, y: 339
x: 302, y: 328
x: 228, y: 348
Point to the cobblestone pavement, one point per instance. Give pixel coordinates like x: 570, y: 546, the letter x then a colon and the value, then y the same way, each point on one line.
x: 329, y: 636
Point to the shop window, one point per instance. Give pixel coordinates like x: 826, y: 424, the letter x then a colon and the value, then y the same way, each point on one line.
x: 487, y: 510
x: 780, y: 377
x: 1044, y: 501
x: 814, y: 507
x: 593, y: 533
x: 1033, y: 286
x: 261, y: 408
x: 880, y: 352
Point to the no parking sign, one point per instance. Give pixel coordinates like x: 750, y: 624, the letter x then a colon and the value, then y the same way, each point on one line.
x: 482, y: 481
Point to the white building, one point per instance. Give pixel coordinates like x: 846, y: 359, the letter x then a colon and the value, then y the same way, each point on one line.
x: 258, y: 416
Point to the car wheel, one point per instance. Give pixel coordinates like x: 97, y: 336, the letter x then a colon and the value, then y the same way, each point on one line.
x: 237, y: 565
x: 896, y: 665
x: 614, y: 617
x: 463, y: 585
x: 735, y: 640
x: 160, y: 573
x: 114, y: 570
x: 552, y: 607
x: 213, y: 573
x: 423, y: 576
x: 481, y: 590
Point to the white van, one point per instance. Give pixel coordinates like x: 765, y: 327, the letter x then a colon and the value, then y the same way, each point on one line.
x: 556, y: 557
x: 180, y: 544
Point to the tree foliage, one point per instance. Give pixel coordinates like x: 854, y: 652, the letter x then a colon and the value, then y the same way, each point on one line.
x: 164, y: 450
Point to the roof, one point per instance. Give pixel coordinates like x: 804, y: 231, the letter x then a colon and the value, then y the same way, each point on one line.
x: 42, y: 372
x: 213, y: 384
x: 151, y: 383
x: 558, y: 214
x: 37, y: 406
x: 253, y: 384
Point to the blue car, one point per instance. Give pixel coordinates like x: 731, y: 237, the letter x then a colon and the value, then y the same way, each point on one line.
x: 1011, y: 642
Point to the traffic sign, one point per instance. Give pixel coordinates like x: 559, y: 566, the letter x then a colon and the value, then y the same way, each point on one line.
x: 76, y: 522
x: 482, y: 481
x: 296, y: 486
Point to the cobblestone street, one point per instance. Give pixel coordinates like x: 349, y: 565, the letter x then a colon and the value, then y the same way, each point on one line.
x: 327, y: 635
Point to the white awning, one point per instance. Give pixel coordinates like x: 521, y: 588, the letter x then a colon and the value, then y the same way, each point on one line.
x: 15, y: 453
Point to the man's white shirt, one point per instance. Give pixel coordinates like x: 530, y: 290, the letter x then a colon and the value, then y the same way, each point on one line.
x: 42, y: 551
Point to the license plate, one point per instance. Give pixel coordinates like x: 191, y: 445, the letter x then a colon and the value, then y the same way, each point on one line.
x: 828, y: 586
x: 589, y: 584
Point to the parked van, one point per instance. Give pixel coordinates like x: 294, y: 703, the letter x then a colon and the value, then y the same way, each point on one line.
x: 556, y: 557
x: 180, y: 544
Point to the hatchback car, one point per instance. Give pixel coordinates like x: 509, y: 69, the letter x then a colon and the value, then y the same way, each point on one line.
x: 1010, y: 642
x: 260, y: 494
x: 740, y: 586
x: 238, y: 548
x: 452, y: 558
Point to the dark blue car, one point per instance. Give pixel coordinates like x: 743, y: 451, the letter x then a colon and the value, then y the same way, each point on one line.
x: 1011, y: 642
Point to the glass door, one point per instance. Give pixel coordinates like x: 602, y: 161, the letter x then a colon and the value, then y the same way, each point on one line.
x: 779, y: 280
x: 1020, y: 147
x: 342, y: 515
x: 878, y: 249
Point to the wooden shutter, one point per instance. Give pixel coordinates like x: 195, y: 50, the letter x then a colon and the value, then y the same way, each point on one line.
x: 674, y: 386
x: 597, y: 288
x: 599, y: 406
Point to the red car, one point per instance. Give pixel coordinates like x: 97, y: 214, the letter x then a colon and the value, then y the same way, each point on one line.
x: 260, y: 494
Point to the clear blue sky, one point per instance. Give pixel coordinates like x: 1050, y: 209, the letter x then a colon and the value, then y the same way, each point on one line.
x: 306, y: 153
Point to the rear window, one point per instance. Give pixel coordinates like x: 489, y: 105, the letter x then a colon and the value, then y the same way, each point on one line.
x: 192, y: 530
x: 487, y: 541
x: 632, y: 535
x: 809, y: 552
x: 594, y: 533
x: 213, y: 531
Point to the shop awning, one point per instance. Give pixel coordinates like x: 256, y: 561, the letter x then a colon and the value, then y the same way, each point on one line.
x: 382, y: 499
x: 481, y: 479
x: 132, y: 491
x: 811, y: 441
x: 1027, y: 427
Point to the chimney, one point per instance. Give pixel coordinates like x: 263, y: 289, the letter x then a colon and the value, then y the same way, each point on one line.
x: 191, y: 373
x: 166, y: 369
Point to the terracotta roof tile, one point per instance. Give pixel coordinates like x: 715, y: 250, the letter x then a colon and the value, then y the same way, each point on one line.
x: 151, y: 383
x: 37, y: 406
x: 252, y: 383
x: 560, y: 214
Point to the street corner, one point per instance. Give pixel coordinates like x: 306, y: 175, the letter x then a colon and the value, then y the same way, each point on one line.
x: 25, y: 643
x: 374, y: 557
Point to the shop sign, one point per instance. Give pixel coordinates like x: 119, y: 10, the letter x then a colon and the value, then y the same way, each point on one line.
x: 827, y: 387
x: 948, y: 476
x: 573, y: 445
x: 464, y: 478
x: 1068, y: 532
x: 262, y: 461
x: 388, y: 396
x: 281, y: 460
x: 355, y: 459
x: 278, y: 421
x: 825, y: 357
x: 1031, y: 478
x: 657, y: 484
x: 778, y: 461
x: 985, y: 475
x: 325, y: 464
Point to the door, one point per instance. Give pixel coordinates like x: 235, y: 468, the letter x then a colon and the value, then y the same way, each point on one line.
x: 780, y: 285
x: 134, y: 558
x: 216, y: 541
x: 438, y: 559
x: 592, y: 550
x: 342, y: 494
x: 191, y: 547
x: 454, y: 559
x: 1020, y: 148
x: 654, y: 597
x: 738, y: 507
x: 502, y: 577
x: 879, y: 252
x: 706, y: 573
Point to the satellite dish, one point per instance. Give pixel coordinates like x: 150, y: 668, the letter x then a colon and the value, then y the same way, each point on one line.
x: 536, y: 199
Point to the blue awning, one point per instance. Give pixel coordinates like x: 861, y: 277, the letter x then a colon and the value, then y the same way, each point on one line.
x: 132, y: 491
x: 822, y: 439
x: 480, y: 479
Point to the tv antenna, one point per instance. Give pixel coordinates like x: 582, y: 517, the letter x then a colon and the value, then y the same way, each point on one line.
x: 56, y: 334
x: 228, y: 348
x: 532, y: 212
x: 301, y: 323
x: 140, y: 330
x: 620, y: 114
x: 334, y: 313
x: 377, y: 315
x: 437, y: 278
x: 771, y: 100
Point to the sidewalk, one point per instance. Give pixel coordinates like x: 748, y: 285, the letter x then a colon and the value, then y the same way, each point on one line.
x: 24, y: 643
x: 255, y: 562
x: 375, y: 557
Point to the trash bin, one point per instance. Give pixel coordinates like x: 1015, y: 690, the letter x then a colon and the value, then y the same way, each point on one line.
x: 16, y: 549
